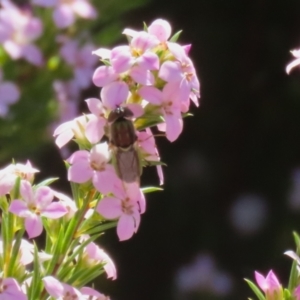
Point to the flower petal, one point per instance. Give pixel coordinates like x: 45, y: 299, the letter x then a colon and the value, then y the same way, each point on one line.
x: 9, y: 93
x: 126, y: 227
x: 33, y: 226
x: 95, y: 129
x: 104, y: 75
x: 63, y: 16
x: 292, y: 65
x: 54, y: 210
x: 110, y: 208
x: 174, y: 127
x: 19, y: 208
x: 114, y: 94
x: 161, y: 29
x: 151, y: 94
x: 43, y: 196
x: 53, y: 286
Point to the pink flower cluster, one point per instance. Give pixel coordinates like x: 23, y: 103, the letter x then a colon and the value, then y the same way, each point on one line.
x: 150, y: 71
x: 155, y: 79
x: 36, y: 205
x: 9, y: 94
x: 64, y: 11
x: 18, y: 30
x: 270, y: 285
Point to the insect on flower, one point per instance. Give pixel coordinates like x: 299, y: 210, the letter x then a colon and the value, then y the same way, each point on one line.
x: 122, y: 135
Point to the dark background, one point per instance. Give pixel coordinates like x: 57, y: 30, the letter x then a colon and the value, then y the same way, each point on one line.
x: 244, y: 139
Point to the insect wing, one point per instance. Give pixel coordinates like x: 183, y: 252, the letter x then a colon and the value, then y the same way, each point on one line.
x: 128, y: 165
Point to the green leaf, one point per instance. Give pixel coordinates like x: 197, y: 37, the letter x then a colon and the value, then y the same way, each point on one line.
x: 92, y: 227
x: 255, y: 289
x: 151, y: 189
x: 47, y: 182
x: 106, y: 62
x: 286, y: 294
x: 86, y: 275
x: 148, y: 120
x: 56, y: 252
x: 101, y: 228
x: 175, y: 37
x: 153, y: 163
x: 36, y: 283
x: 145, y: 27
x: 15, y: 192
x: 293, y: 279
x: 15, y: 253
x: 61, y: 272
x: 297, y: 241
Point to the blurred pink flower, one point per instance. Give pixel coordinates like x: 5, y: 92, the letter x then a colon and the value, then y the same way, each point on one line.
x: 59, y: 290
x: 65, y: 10
x: 161, y: 29
x: 9, y: 94
x: 81, y: 60
x: 18, y: 29
x: 10, y: 290
x: 126, y: 206
x: 270, y: 285
x: 168, y: 102
x: 34, y: 205
x: 93, y: 166
x: 66, y: 131
x: 297, y: 292
x: 67, y: 94
x: 294, y: 63
x: 92, y: 294
x: 94, y: 252
x: 9, y: 174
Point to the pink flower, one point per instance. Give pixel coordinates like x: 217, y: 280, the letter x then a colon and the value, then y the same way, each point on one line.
x: 93, y: 166
x: 9, y: 175
x: 182, y: 72
x: 18, y: 29
x: 167, y: 101
x: 95, y: 253
x: 161, y: 29
x: 95, y: 126
x: 67, y: 94
x: 270, y: 285
x: 59, y: 290
x: 148, y: 149
x: 10, y: 290
x: 81, y: 60
x: 297, y: 292
x: 115, y: 94
x: 125, y: 205
x: 64, y: 11
x: 92, y: 294
x: 36, y: 204
x: 68, y: 203
x: 294, y: 63
x: 9, y: 94
x: 135, y: 60
x: 66, y: 131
